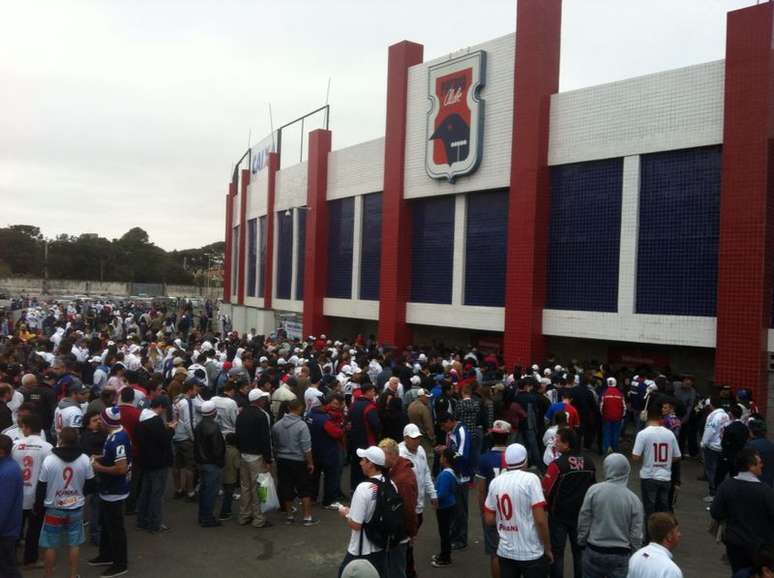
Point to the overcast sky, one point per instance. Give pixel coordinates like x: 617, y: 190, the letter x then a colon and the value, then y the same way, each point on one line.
x: 117, y: 114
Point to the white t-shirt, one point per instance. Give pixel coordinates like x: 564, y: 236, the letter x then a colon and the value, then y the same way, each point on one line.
x: 29, y: 452
x: 228, y: 410
x: 16, y: 400
x: 312, y: 398
x: 549, y: 441
x: 512, y: 495
x: 65, y: 481
x: 69, y: 416
x: 360, y: 511
x: 657, y: 446
x: 653, y: 561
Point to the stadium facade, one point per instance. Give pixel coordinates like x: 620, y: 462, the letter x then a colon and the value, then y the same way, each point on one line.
x: 631, y: 222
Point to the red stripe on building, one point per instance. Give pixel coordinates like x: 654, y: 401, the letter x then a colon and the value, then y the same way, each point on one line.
x: 538, y: 41
x: 229, y: 240
x: 745, y: 250
x: 316, y: 257
x: 395, y: 273
x: 272, y: 165
x: 245, y: 180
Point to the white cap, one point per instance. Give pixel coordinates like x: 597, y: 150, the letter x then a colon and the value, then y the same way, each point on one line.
x: 546, y: 371
x: 558, y: 368
x: 516, y: 455
x: 374, y: 455
x: 416, y: 380
x: 208, y: 408
x: 535, y: 367
x: 422, y: 357
x: 346, y: 370
x: 256, y: 394
x: 411, y: 431
x: 611, y: 382
x: 281, y: 361
x: 263, y: 359
x: 501, y: 426
x: 423, y: 393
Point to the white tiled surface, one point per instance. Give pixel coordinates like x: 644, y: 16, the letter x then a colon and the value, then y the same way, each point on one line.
x: 357, y: 308
x: 494, y: 170
x: 356, y: 170
x: 287, y: 305
x: 670, y: 110
x: 467, y: 317
x: 661, y: 329
x: 257, y: 193
x: 630, y: 226
x: 291, y: 187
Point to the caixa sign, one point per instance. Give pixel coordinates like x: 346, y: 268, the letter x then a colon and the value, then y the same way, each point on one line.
x: 259, y: 154
x: 455, y: 123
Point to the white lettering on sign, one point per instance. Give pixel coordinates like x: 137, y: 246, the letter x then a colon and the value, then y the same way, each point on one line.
x: 453, y: 96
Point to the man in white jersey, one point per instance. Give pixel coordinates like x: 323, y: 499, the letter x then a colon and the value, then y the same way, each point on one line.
x: 68, y: 412
x: 657, y: 447
x: 362, y: 507
x: 516, y: 505
x: 655, y: 559
x: 29, y: 451
x: 63, y: 479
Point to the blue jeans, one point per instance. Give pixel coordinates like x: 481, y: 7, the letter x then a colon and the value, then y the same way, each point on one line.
x: 151, y: 498
x: 598, y: 565
x: 611, y: 432
x: 559, y: 533
x: 209, y: 484
x: 396, y: 562
x: 711, y: 461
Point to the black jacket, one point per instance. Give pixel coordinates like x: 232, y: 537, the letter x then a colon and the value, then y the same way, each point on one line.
x: 154, y: 441
x: 44, y: 398
x: 253, y: 431
x: 747, y: 508
x: 209, y: 447
x: 565, y: 484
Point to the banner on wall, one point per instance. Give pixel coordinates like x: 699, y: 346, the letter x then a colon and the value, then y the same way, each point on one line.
x: 455, y: 123
x: 259, y: 153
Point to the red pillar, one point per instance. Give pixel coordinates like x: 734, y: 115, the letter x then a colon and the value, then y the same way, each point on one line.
x: 229, y: 240
x: 538, y: 40
x: 395, y: 274
x: 245, y: 180
x: 268, y: 270
x: 745, y: 252
x: 316, y: 257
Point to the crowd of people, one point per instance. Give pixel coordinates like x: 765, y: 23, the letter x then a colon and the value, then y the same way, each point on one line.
x: 99, y: 403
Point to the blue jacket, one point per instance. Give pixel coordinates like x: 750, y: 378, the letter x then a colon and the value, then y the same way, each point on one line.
x: 459, y: 441
x: 10, y: 499
x: 445, y: 484
x: 325, y: 449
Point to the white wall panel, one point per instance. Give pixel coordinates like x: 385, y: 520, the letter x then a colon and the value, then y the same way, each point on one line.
x: 670, y: 110
x: 257, y: 195
x: 356, y: 170
x: 291, y: 187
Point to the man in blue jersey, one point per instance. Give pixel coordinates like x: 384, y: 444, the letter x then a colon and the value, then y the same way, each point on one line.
x: 112, y: 468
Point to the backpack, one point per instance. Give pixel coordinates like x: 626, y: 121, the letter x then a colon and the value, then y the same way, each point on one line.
x: 385, y: 529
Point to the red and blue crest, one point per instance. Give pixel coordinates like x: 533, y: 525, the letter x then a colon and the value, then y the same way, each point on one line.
x: 455, y: 122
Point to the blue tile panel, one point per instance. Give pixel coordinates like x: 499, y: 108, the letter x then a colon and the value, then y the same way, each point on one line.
x: 262, y: 235
x: 252, y: 255
x: 584, y: 236
x: 371, y: 246
x: 677, y: 257
x: 341, y: 228
x: 300, y: 254
x: 485, y: 247
x: 432, y: 247
x: 284, y: 254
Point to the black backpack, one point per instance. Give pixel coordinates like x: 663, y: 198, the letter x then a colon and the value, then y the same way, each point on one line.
x: 385, y: 529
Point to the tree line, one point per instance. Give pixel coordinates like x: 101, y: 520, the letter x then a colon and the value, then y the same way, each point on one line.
x: 24, y: 252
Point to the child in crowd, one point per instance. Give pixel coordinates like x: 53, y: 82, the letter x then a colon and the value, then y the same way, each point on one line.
x: 445, y: 486
x: 230, y: 475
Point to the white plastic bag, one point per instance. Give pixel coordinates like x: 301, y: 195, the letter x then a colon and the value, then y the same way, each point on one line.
x: 267, y: 493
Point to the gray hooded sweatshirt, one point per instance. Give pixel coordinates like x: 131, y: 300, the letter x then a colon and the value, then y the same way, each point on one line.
x: 291, y: 438
x: 611, y: 515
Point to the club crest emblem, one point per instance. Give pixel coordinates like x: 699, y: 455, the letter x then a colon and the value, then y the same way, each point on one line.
x: 455, y: 122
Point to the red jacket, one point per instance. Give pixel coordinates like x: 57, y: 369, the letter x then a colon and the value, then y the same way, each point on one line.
x: 612, y: 405
x: 130, y: 417
x: 402, y: 473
